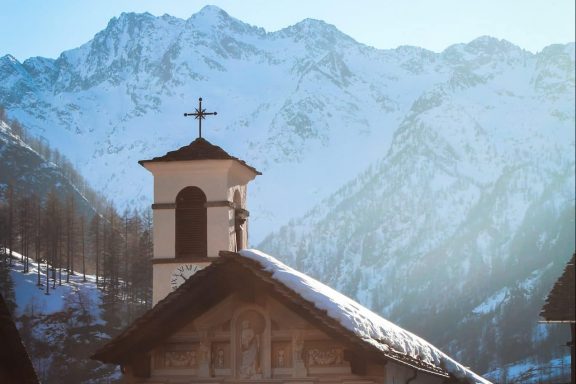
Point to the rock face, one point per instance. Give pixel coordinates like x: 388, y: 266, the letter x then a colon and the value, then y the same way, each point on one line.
x: 436, y: 183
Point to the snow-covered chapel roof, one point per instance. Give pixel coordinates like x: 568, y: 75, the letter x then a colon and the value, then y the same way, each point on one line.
x: 332, y: 311
x: 371, y: 328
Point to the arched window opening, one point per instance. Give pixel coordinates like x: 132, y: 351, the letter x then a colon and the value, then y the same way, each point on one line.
x: 239, y: 220
x: 191, y: 223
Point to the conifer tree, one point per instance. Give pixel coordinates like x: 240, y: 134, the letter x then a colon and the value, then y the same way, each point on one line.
x: 83, y: 243
x: 10, y: 228
x: 70, y: 236
x: 7, y: 285
x: 95, y: 237
x: 36, y: 220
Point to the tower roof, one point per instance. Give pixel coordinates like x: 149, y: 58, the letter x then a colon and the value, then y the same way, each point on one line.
x: 199, y: 149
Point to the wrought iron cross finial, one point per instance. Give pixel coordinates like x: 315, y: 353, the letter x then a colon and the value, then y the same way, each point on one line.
x: 199, y: 115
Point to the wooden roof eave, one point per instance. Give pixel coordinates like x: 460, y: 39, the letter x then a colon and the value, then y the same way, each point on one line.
x: 152, y: 326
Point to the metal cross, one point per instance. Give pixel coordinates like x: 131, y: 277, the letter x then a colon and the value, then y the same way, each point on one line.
x: 199, y: 115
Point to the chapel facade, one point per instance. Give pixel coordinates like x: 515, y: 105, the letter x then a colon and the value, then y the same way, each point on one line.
x: 224, y: 314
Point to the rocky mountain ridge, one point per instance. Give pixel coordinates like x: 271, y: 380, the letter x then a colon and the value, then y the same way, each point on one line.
x: 290, y: 102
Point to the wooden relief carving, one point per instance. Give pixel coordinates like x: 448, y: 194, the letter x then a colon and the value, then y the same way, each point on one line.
x: 324, y: 354
x: 180, y: 359
x: 298, y: 356
x: 203, y: 353
x: 282, y: 354
x: 177, y: 356
x: 249, y: 330
x: 221, y: 355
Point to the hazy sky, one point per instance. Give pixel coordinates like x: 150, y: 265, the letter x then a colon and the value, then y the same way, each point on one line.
x: 48, y: 27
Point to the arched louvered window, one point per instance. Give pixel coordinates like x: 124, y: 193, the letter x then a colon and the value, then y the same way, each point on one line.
x: 191, y: 223
x: 238, y: 221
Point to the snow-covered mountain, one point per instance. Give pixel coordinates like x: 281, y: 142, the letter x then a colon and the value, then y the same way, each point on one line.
x: 451, y: 227
x: 307, y: 105
x: 469, y: 216
x: 417, y: 182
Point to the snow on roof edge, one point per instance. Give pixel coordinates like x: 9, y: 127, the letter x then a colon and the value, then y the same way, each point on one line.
x: 367, y: 325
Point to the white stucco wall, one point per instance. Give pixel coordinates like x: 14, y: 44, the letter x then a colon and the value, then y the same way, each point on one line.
x: 218, y: 179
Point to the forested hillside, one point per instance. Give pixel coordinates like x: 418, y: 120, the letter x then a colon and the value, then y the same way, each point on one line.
x: 76, y: 251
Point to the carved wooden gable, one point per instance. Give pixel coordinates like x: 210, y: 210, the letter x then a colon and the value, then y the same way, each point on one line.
x: 240, y: 320
x: 256, y: 340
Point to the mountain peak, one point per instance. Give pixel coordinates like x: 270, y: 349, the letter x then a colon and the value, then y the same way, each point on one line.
x: 210, y: 14
x: 130, y: 17
x: 9, y: 59
x: 126, y: 20
x: 317, y: 30
x: 309, y: 25
x: 211, y: 18
x: 491, y: 44
x: 212, y: 10
x: 486, y: 47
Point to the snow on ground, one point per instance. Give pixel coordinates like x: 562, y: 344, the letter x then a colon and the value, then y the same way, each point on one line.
x: 491, y: 303
x: 500, y: 297
x: 55, y: 324
x: 29, y: 295
x: 366, y: 324
x: 530, y: 371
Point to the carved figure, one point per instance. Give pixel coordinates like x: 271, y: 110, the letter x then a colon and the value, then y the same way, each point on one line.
x: 297, y: 358
x: 204, y: 357
x: 220, y: 358
x: 250, y: 351
x: 298, y: 348
x: 204, y: 352
x: 180, y: 359
x: 281, y: 361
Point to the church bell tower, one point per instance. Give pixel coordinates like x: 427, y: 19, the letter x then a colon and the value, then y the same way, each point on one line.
x: 199, y: 208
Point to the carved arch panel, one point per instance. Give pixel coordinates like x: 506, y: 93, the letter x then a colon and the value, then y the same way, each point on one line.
x: 251, y: 347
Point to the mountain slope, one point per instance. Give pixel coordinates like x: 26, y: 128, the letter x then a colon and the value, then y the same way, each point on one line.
x: 290, y: 102
x: 464, y: 220
x: 28, y: 172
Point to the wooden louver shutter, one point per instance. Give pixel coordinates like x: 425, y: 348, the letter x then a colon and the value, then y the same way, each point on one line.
x: 191, y: 223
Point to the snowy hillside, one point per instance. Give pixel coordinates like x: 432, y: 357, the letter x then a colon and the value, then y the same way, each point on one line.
x: 63, y: 327
x: 307, y: 105
x: 30, y: 297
